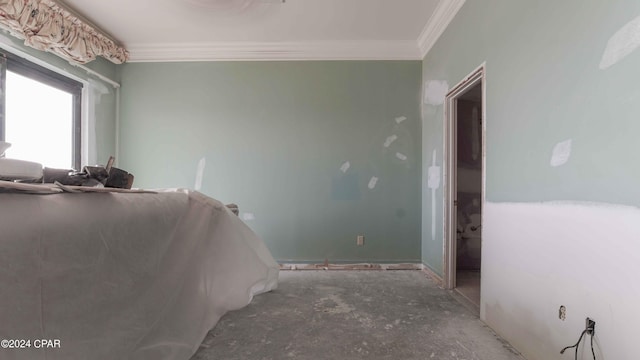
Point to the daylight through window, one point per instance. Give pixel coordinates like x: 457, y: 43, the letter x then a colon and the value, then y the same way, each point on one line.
x: 41, y: 114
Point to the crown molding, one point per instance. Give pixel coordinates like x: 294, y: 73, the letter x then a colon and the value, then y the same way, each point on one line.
x: 310, y: 50
x: 265, y: 51
x: 440, y: 19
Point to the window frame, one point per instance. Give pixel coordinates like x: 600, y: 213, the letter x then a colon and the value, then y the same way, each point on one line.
x: 26, y: 68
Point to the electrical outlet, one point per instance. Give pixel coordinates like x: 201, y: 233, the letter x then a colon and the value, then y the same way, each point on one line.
x: 562, y: 313
x: 590, y: 326
x: 360, y: 240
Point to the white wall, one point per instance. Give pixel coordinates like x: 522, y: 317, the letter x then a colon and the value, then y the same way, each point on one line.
x: 585, y: 256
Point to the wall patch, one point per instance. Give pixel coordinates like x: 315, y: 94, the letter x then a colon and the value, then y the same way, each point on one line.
x: 433, y: 174
x: 373, y: 182
x: 622, y: 43
x: 345, y: 167
x: 561, y: 153
x: 400, y: 119
x: 200, y: 174
x: 433, y: 182
x: 248, y: 217
x: 390, y: 140
x: 435, y: 92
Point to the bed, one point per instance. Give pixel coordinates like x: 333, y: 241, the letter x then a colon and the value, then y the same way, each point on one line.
x: 122, y: 275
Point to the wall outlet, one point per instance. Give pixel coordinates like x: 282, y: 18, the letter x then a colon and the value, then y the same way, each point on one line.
x: 360, y: 240
x: 590, y: 326
x: 562, y: 313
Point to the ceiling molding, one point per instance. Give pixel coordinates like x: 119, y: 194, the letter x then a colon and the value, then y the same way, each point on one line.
x: 440, y: 19
x: 257, y: 51
x: 308, y: 50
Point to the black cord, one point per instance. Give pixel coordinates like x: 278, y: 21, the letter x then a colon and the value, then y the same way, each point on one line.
x: 575, y: 345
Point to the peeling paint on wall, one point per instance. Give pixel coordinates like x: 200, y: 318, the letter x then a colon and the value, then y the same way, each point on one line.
x: 621, y: 44
x: 561, y: 153
x: 200, y: 174
x: 435, y: 92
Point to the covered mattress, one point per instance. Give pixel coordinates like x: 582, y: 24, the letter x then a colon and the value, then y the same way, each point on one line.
x: 122, y: 275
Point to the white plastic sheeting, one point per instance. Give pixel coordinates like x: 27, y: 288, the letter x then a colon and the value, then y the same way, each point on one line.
x: 123, y: 276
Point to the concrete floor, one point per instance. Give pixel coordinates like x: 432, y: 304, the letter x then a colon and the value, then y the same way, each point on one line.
x: 468, y: 285
x: 354, y: 315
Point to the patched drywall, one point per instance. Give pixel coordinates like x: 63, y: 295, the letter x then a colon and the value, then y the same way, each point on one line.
x: 562, y: 108
x: 621, y: 44
x: 313, y: 153
x: 539, y: 256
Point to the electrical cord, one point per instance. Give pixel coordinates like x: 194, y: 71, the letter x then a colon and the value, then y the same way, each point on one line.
x: 577, y: 345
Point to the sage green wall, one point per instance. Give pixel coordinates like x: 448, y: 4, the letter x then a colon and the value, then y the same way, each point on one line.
x: 103, y: 100
x: 274, y: 136
x: 544, y: 85
x: 552, y: 235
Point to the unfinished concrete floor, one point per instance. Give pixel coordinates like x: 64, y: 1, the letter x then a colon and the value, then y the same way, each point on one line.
x: 468, y: 285
x: 354, y: 315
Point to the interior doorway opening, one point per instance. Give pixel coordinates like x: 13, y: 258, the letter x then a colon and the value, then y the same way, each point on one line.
x: 464, y: 196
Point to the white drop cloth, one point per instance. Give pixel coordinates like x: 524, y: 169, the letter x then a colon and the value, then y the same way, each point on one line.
x: 123, y: 276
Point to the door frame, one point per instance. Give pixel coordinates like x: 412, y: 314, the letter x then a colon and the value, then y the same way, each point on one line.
x: 477, y: 76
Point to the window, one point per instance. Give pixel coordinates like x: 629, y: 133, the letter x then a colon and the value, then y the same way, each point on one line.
x: 39, y: 113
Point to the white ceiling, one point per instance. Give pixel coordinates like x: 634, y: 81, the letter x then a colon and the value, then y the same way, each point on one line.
x: 161, y: 30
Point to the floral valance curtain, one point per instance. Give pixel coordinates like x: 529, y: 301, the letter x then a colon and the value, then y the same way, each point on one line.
x: 45, y: 25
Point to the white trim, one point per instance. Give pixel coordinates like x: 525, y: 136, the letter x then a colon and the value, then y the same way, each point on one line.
x: 117, y: 130
x: 440, y: 19
x: 97, y: 74
x: 257, y: 51
x: 84, y: 127
x: 450, y: 171
x: 449, y: 154
x: 483, y: 195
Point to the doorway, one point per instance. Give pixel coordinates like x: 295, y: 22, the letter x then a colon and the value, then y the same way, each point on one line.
x: 464, y: 182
